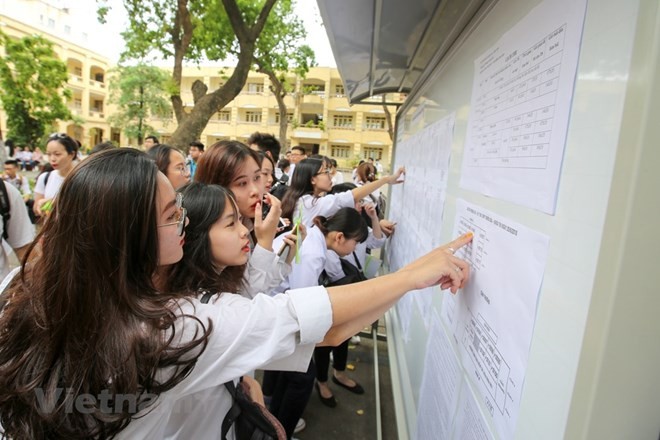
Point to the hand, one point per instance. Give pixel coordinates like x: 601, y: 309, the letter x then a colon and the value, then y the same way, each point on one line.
x: 286, y: 222
x: 265, y: 229
x: 254, y: 390
x: 394, y: 178
x: 441, y: 267
x: 387, y: 227
x: 39, y: 204
x: 370, y: 209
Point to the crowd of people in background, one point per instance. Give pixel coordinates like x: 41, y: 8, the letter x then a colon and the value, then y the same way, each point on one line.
x: 171, y: 228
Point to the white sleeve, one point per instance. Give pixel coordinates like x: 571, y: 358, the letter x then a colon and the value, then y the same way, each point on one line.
x: 40, y: 187
x: 375, y: 243
x: 328, y: 205
x: 20, y: 229
x: 333, y: 266
x: 264, y: 332
x: 25, y: 186
x: 265, y: 271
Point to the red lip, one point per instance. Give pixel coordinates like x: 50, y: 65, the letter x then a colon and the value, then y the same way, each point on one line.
x: 246, y: 248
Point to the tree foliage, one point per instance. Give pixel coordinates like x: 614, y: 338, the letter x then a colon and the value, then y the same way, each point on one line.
x: 139, y: 92
x: 206, y: 30
x: 32, y: 79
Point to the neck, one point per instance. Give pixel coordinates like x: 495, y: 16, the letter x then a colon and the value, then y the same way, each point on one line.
x: 66, y: 170
x: 160, y: 277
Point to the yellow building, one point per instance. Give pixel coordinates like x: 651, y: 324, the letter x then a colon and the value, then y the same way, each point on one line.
x: 320, y: 117
x: 87, y: 69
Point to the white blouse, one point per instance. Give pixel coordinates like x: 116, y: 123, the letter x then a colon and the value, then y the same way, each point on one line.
x: 326, y: 206
x: 277, y: 333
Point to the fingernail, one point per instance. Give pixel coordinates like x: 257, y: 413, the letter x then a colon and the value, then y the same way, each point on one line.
x: 469, y: 234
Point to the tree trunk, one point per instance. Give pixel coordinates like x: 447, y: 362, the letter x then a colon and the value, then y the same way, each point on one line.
x: 191, y: 126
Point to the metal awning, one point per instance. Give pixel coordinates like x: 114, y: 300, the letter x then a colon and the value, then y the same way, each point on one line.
x: 383, y: 46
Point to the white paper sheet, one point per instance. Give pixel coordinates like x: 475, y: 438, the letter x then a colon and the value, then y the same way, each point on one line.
x: 418, y: 204
x: 441, y: 384
x: 492, y: 318
x: 521, y: 99
x: 470, y: 423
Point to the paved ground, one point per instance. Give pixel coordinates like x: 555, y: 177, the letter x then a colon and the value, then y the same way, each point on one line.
x: 354, y: 417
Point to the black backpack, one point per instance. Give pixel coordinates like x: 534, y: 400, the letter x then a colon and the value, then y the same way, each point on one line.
x: 352, y: 274
x: 5, y: 209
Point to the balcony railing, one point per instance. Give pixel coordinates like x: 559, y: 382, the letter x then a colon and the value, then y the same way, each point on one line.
x: 94, y: 83
x: 75, y: 78
x: 96, y: 113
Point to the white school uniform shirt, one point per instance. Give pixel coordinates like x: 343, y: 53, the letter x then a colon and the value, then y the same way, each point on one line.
x: 50, y: 189
x: 312, y: 261
x: 277, y: 333
x: 333, y: 265
x: 326, y: 206
x: 20, y: 230
x: 265, y: 271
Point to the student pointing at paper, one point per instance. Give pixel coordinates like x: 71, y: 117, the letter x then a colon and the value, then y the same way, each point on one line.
x: 69, y: 336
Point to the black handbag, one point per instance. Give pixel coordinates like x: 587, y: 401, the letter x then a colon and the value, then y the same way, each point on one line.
x: 352, y: 274
x: 251, y: 420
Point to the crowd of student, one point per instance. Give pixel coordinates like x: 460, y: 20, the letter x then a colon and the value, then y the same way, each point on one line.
x: 106, y: 304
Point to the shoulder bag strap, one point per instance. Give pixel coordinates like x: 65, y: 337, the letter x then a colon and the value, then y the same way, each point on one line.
x: 233, y: 412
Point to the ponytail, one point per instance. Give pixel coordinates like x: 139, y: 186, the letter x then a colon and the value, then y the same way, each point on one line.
x: 347, y: 221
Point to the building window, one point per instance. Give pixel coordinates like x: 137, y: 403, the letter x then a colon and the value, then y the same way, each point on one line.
x: 253, y: 117
x: 373, y: 123
x: 374, y: 153
x: 255, y: 88
x: 340, y: 151
x: 77, y: 71
x: 77, y: 103
x: 339, y: 90
x: 224, y: 116
x: 51, y: 23
x: 289, y: 117
x: 342, y: 121
x: 67, y: 29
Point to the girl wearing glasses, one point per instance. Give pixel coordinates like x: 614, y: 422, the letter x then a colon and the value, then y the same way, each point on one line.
x: 108, y: 351
x: 306, y: 197
x: 171, y: 162
x: 62, y: 151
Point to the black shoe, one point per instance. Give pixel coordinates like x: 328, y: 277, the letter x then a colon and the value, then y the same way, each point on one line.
x: 357, y: 389
x: 327, y: 401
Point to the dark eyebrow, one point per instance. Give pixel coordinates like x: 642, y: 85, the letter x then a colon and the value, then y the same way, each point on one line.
x: 169, y: 205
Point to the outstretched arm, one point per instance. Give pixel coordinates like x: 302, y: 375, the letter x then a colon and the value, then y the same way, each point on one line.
x: 356, y: 305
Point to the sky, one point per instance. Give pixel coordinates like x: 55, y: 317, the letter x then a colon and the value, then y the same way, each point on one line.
x: 109, y: 41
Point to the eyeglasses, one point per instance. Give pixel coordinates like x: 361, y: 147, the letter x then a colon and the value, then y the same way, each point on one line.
x: 327, y: 171
x: 183, y: 170
x: 182, y: 214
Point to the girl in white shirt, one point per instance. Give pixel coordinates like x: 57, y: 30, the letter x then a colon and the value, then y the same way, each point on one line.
x: 306, y: 197
x: 108, y: 352
x: 238, y: 168
x: 62, y: 151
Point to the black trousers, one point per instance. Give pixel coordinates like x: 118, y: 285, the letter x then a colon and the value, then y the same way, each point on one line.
x: 290, y: 396
x: 322, y: 359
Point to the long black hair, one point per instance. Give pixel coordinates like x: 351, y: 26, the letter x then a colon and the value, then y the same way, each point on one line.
x: 205, y: 204
x: 84, y: 313
x: 301, y: 184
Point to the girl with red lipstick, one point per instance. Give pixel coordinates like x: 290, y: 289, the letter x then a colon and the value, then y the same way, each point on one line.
x: 234, y: 166
x: 108, y: 351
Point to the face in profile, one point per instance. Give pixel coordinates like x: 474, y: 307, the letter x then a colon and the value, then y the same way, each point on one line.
x: 322, y: 181
x: 247, y: 187
x: 170, y: 242
x: 267, y: 174
x: 228, y: 237
x: 177, y: 171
